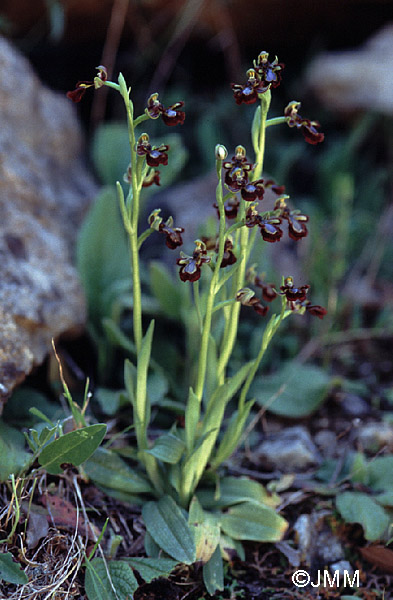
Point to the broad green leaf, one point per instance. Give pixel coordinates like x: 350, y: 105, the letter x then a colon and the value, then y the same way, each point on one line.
x: 151, y: 568
x: 380, y: 473
x: 164, y: 289
x: 213, y: 572
x: 295, y: 391
x: 109, y: 400
x: 356, y: 507
x: 232, y: 436
x: 14, y: 457
x: 107, y: 469
x: 120, y: 584
x: 11, y: 571
x: 111, y: 152
x: 168, y: 448
x: 235, y: 490
x: 102, y: 254
x: 168, y: 527
x: 206, y: 530
x: 74, y: 448
x: 250, y: 521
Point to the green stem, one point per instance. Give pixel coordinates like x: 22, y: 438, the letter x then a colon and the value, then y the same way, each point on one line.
x: 212, y: 290
x: 232, y: 322
x: 276, y: 121
x: 134, y: 218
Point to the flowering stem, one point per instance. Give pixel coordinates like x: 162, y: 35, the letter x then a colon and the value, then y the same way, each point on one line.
x: 212, y: 290
x: 276, y: 121
x: 232, y: 323
x: 134, y: 217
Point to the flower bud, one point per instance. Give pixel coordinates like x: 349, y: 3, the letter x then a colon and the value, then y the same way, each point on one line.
x: 221, y: 152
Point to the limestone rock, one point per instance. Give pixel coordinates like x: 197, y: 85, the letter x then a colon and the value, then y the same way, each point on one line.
x: 356, y: 79
x: 291, y: 450
x: 45, y: 192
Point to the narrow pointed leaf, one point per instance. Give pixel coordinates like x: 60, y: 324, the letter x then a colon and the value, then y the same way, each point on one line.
x: 191, y: 418
x: 74, y: 448
x: 168, y: 527
x: 235, y: 490
x: 142, y: 407
x: 232, y: 436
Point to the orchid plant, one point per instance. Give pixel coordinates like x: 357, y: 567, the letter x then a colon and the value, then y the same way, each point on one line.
x: 177, y: 479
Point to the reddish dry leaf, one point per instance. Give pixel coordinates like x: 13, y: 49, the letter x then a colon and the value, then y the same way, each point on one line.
x: 63, y: 514
x: 379, y: 556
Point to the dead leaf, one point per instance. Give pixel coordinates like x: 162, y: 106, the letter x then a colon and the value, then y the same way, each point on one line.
x: 379, y: 556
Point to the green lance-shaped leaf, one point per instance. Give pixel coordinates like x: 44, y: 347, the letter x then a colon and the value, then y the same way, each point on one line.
x: 189, y: 479
x: 107, y: 469
x: 130, y: 380
x: 192, y: 413
x: 206, y: 530
x: 168, y: 448
x: 117, y: 337
x: 213, y: 572
x: 109, y: 581
x: 231, y: 437
x: 74, y: 448
x: 168, y: 527
x: 356, y: 507
x: 255, y: 129
x: 214, y: 416
x: 251, y: 521
x: 142, y: 406
x: 11, y: 571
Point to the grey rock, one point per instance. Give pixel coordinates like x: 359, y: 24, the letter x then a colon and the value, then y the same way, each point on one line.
x: 290, y: 450
x: 45, y: 192
x: 315, y: 540
x: 355, y: 406
x: 374, y: 436
x: 342, y: 566
x: 337, y: 78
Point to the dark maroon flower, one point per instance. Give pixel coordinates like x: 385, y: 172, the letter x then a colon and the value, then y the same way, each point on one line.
x: 190, y: 266
x: 231, y: 208
x: 229, y: 258
x: 237, y: 170
x: 292, y: 293
x: 77, y: 94
x: 251, y: 191
x: 297, y: 228
x: 277, y: 189
x: 316, y: 310
x: 269, y: 228
x: 153, y: 177
x: 307, y: 127
x: 248, y: 298
x: 172, y: 115
x: 154, y: 156
x: 269, y: 292
x: 268, y: 72
x: 248, y: 93
x: 154, y: 107
x: 173, y: 234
